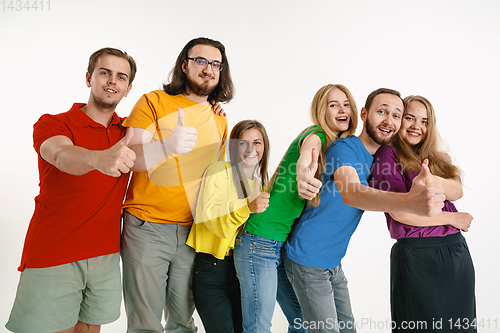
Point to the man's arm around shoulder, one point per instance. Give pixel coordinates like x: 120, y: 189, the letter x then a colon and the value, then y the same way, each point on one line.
x: 423, y: 199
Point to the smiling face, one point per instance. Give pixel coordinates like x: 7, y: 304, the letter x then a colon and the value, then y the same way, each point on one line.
x: 414, y: 124
x: 109, y: 82
x: 201, y: 81
x: 383, y: 120
x: 251, y: 148
x: 338, y: 110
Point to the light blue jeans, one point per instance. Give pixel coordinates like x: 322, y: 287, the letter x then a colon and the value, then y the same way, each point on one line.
x: 263, y: 280
x: 323, y: 296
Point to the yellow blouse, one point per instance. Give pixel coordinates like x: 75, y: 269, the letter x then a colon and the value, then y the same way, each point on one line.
x: 219, y: 213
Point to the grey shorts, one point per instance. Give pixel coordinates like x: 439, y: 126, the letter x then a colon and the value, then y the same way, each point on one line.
x: 55, y: 298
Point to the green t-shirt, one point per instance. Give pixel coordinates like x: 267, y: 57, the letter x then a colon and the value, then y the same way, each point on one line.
x: 285, y: 204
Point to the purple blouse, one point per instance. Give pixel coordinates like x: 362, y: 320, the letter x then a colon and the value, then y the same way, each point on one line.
x: 387, y: 175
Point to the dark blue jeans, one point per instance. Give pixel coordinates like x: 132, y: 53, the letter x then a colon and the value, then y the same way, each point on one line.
x: 216, y: 293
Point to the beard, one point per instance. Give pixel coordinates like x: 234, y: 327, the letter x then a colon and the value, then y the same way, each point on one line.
x: 100, y: 103
x: 372, y: 133
x: 193, y: 87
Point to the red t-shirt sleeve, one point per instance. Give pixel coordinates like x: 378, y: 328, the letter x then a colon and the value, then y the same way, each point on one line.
x: 48, y: 126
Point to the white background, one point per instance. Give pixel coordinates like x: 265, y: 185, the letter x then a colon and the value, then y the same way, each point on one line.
x: 281, y: 53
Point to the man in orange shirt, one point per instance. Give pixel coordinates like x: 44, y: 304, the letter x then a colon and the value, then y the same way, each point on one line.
x: 157, y: 263
x: 70, y: 274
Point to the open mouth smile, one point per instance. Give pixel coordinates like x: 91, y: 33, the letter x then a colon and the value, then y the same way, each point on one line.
x: 385, y: 130
x: 111, y: 91
x: 413, y: 134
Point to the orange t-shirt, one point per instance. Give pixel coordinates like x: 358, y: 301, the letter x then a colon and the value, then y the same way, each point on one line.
x: 168, y: 191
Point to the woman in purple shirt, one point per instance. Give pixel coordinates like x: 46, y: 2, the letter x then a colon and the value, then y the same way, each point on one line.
x: 432, y: 275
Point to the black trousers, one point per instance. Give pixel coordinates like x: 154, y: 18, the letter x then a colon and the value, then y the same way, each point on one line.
x: 216, y: 292
x: 432, y: 285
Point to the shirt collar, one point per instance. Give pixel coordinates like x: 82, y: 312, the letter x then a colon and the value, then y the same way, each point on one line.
x: 76, y: 115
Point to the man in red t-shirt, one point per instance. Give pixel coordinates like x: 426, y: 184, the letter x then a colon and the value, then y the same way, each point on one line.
x: 70, y: 275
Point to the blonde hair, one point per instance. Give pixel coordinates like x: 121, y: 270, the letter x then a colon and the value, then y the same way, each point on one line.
x: 319, y: 117
x: 412, y: 157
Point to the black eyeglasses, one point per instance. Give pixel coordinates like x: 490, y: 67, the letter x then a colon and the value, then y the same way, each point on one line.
x: 202, y: 62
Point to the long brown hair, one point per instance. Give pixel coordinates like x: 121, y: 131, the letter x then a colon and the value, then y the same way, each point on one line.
x: 411, y: 157
x: 235, y: 158
x: 222, y: 93
x: 319, y: 117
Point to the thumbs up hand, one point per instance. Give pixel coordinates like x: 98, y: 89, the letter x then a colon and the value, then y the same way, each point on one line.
x: 424, y: 175
x: 425, y: 198
x: 118, y: 159
x: 183, y: 139
x: 308, y: 186
x: 258, y: 201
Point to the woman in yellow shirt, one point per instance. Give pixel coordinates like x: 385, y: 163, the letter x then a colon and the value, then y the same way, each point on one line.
x: 229, y: 193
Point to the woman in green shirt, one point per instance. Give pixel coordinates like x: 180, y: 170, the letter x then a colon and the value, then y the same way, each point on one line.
x: 257, y: 252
